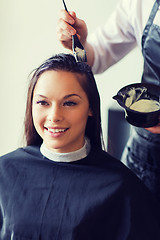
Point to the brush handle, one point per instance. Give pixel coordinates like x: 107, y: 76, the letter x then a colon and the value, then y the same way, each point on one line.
x: 76, y: 43
x: 65, y: 5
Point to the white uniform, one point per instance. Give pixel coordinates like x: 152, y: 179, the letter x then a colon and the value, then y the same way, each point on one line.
x: 121, y: 33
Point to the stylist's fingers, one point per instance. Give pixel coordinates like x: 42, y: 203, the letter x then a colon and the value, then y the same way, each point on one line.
x: 65, y: 30
x: 64, y: 25
x: 80, y: 27
x: 155, y: 129
x: 68, y: 25
x: 68, y: 17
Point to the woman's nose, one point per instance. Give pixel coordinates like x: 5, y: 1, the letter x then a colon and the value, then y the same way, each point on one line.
x: 55, y: 114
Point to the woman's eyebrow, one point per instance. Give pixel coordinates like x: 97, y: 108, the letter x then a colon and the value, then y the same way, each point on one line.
x: 40, y: 95
x: 72, y: 95
x: 65, y: 97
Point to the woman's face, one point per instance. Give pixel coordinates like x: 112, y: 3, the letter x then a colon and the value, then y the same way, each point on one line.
x: 60, y: 111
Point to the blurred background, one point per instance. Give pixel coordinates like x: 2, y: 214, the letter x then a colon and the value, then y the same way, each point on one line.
x: 28, y: 37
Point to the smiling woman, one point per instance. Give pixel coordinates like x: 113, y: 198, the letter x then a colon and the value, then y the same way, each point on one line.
x: 62, y: 185
x: 62, y: 86
x: 60, y: 111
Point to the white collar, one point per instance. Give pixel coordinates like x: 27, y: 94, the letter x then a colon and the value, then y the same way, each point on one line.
x: 66, y: 157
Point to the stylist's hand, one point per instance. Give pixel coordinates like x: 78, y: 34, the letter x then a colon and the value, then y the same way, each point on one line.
x: 155, y: 129
x: 65, y: 30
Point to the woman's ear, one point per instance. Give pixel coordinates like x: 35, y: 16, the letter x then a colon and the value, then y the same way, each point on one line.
x: 90, y: 114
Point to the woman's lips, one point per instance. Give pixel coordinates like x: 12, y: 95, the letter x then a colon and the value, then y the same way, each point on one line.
x: 56, y: 131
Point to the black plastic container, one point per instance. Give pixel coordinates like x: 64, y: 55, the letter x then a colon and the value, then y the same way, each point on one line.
x: 129, y: 94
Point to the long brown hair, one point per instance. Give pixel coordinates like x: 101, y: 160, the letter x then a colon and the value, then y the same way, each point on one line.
x: 66, y: 62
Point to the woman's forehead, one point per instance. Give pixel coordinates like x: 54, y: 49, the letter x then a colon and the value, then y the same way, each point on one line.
x: 58, y: 82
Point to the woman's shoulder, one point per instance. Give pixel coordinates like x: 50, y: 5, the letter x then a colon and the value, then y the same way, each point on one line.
x: 102, y: 157
x: 117, y: 172
x: 112, y: 166
x: 21, y: 153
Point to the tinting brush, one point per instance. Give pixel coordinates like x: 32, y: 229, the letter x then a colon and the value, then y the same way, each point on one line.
x: 77, y: 48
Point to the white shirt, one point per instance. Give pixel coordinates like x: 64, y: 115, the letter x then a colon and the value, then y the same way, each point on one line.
x: 121, y: 33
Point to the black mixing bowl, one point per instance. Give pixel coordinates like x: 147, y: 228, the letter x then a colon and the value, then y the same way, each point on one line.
x: 132, y: 93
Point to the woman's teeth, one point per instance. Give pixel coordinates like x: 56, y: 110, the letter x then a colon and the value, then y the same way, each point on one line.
x: 56, y: 130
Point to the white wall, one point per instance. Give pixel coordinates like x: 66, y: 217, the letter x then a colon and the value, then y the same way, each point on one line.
x: 27, y: 37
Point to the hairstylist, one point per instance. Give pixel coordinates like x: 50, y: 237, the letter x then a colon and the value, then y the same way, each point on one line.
x: 134, y: 22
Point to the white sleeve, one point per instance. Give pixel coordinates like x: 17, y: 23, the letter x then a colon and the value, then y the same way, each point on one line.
x: 115, y: 39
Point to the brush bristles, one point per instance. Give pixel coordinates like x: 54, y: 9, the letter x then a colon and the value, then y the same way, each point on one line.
x: 80, y: 57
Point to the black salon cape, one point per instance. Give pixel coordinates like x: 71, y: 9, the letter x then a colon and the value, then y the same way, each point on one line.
x: 96, y: 198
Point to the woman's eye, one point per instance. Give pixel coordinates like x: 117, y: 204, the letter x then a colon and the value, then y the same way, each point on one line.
x: 42, y: 102
x: 70, y: 103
